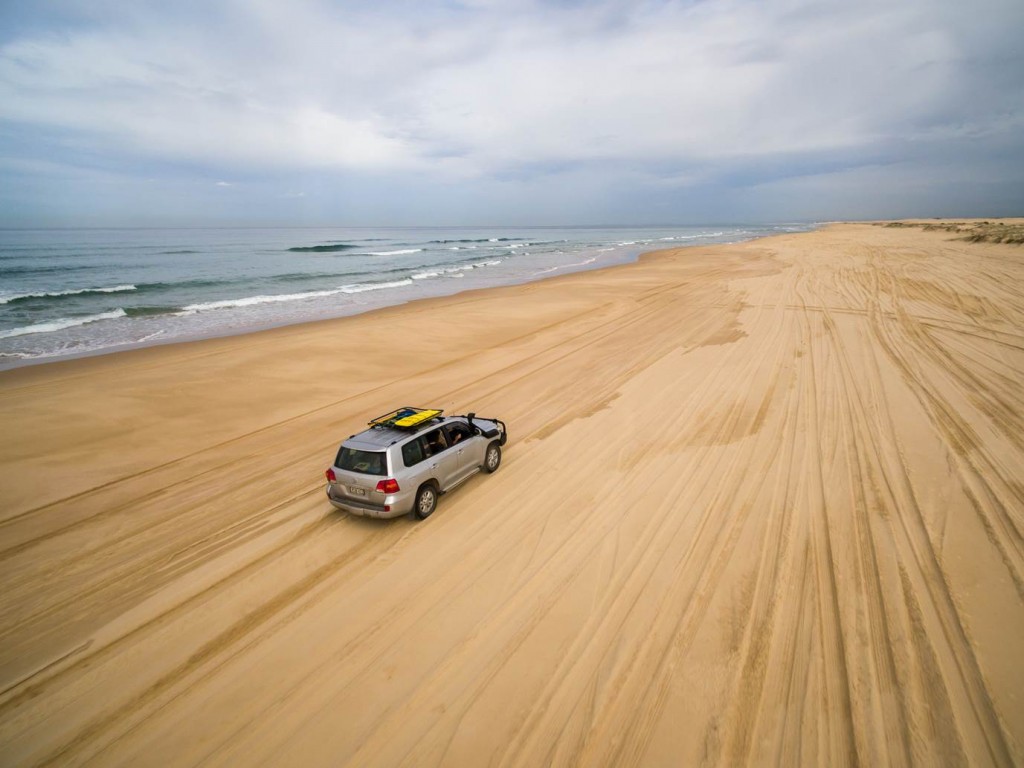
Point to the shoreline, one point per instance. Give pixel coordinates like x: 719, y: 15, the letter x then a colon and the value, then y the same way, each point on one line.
x: 13, y: 362
x: 745, y: 486
x: 424, y: 302
x: 256, y: 329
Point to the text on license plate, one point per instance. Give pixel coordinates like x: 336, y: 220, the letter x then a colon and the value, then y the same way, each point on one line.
x: 356, y: 491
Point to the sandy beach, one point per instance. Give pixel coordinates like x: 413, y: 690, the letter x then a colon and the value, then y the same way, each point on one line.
x: 761, y: 503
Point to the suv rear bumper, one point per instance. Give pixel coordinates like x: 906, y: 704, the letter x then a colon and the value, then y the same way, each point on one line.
x: 399, y: 507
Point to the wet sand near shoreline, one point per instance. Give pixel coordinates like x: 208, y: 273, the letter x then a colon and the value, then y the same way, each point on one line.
x: 761, y: 503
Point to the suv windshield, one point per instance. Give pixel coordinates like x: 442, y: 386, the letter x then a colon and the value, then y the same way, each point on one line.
x: 364, y: 462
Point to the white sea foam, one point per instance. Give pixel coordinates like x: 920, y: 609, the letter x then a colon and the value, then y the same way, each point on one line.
x: 76, y: 292
x: 250, y: 301
x: 692, y: 237
x: 453, y: 270
x: 363, y: 287
x: 436, y: 272
x: 394, y: 253
x: 60, y: 325
x: 583, y: 263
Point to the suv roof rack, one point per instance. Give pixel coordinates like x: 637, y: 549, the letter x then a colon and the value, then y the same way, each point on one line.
x: 405, y: 418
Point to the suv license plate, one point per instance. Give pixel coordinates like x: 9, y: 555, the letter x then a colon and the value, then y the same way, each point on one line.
x: 357, y: 491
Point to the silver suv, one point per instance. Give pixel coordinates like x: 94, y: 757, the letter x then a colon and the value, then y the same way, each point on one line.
x: 408, y: 457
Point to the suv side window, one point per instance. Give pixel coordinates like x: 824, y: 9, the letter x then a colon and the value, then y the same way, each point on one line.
x: 413, y: 453
x: 435, y: 442
x: 457, y: 433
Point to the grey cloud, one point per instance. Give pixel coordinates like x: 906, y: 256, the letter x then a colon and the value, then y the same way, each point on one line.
x: 506, y: 97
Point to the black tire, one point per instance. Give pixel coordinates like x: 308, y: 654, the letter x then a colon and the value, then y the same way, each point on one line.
x: 492, y: 457
x: 426, y: 501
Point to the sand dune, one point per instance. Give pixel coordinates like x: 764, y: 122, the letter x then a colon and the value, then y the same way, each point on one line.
x: 761, y: 504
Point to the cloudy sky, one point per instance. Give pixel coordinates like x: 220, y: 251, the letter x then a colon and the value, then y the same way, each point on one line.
x: 508, y: 112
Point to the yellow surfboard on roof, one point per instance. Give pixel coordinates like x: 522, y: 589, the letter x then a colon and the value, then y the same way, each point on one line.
x: 416, y: 418
x: 403, y: 418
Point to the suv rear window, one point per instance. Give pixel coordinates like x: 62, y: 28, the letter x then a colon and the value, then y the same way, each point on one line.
x: 364, y: 462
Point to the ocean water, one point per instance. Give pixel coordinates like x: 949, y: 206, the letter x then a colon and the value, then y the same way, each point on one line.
x: 73, y: 292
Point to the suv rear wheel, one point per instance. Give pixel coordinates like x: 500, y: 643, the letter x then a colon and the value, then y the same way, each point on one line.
x: 426, y: 501
x: 492, y: 458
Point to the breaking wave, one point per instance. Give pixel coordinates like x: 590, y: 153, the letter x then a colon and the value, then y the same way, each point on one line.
x: 60, y: 294
x: 61, y: 324
x: 328, y: 248
x: 250, y: 301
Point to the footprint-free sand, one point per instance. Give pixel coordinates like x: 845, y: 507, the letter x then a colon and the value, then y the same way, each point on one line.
x: 761, y: 503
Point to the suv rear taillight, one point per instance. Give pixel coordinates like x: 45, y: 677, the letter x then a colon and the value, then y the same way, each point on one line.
x: 329, y: 474
x: 388, y: 486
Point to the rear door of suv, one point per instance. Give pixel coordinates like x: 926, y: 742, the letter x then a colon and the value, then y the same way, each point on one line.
x: 358, y: 471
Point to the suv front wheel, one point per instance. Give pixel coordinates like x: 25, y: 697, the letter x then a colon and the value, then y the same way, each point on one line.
x: 492, y: 459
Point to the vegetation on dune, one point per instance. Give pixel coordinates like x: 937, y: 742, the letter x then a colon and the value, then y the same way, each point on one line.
x: 971, y: 231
